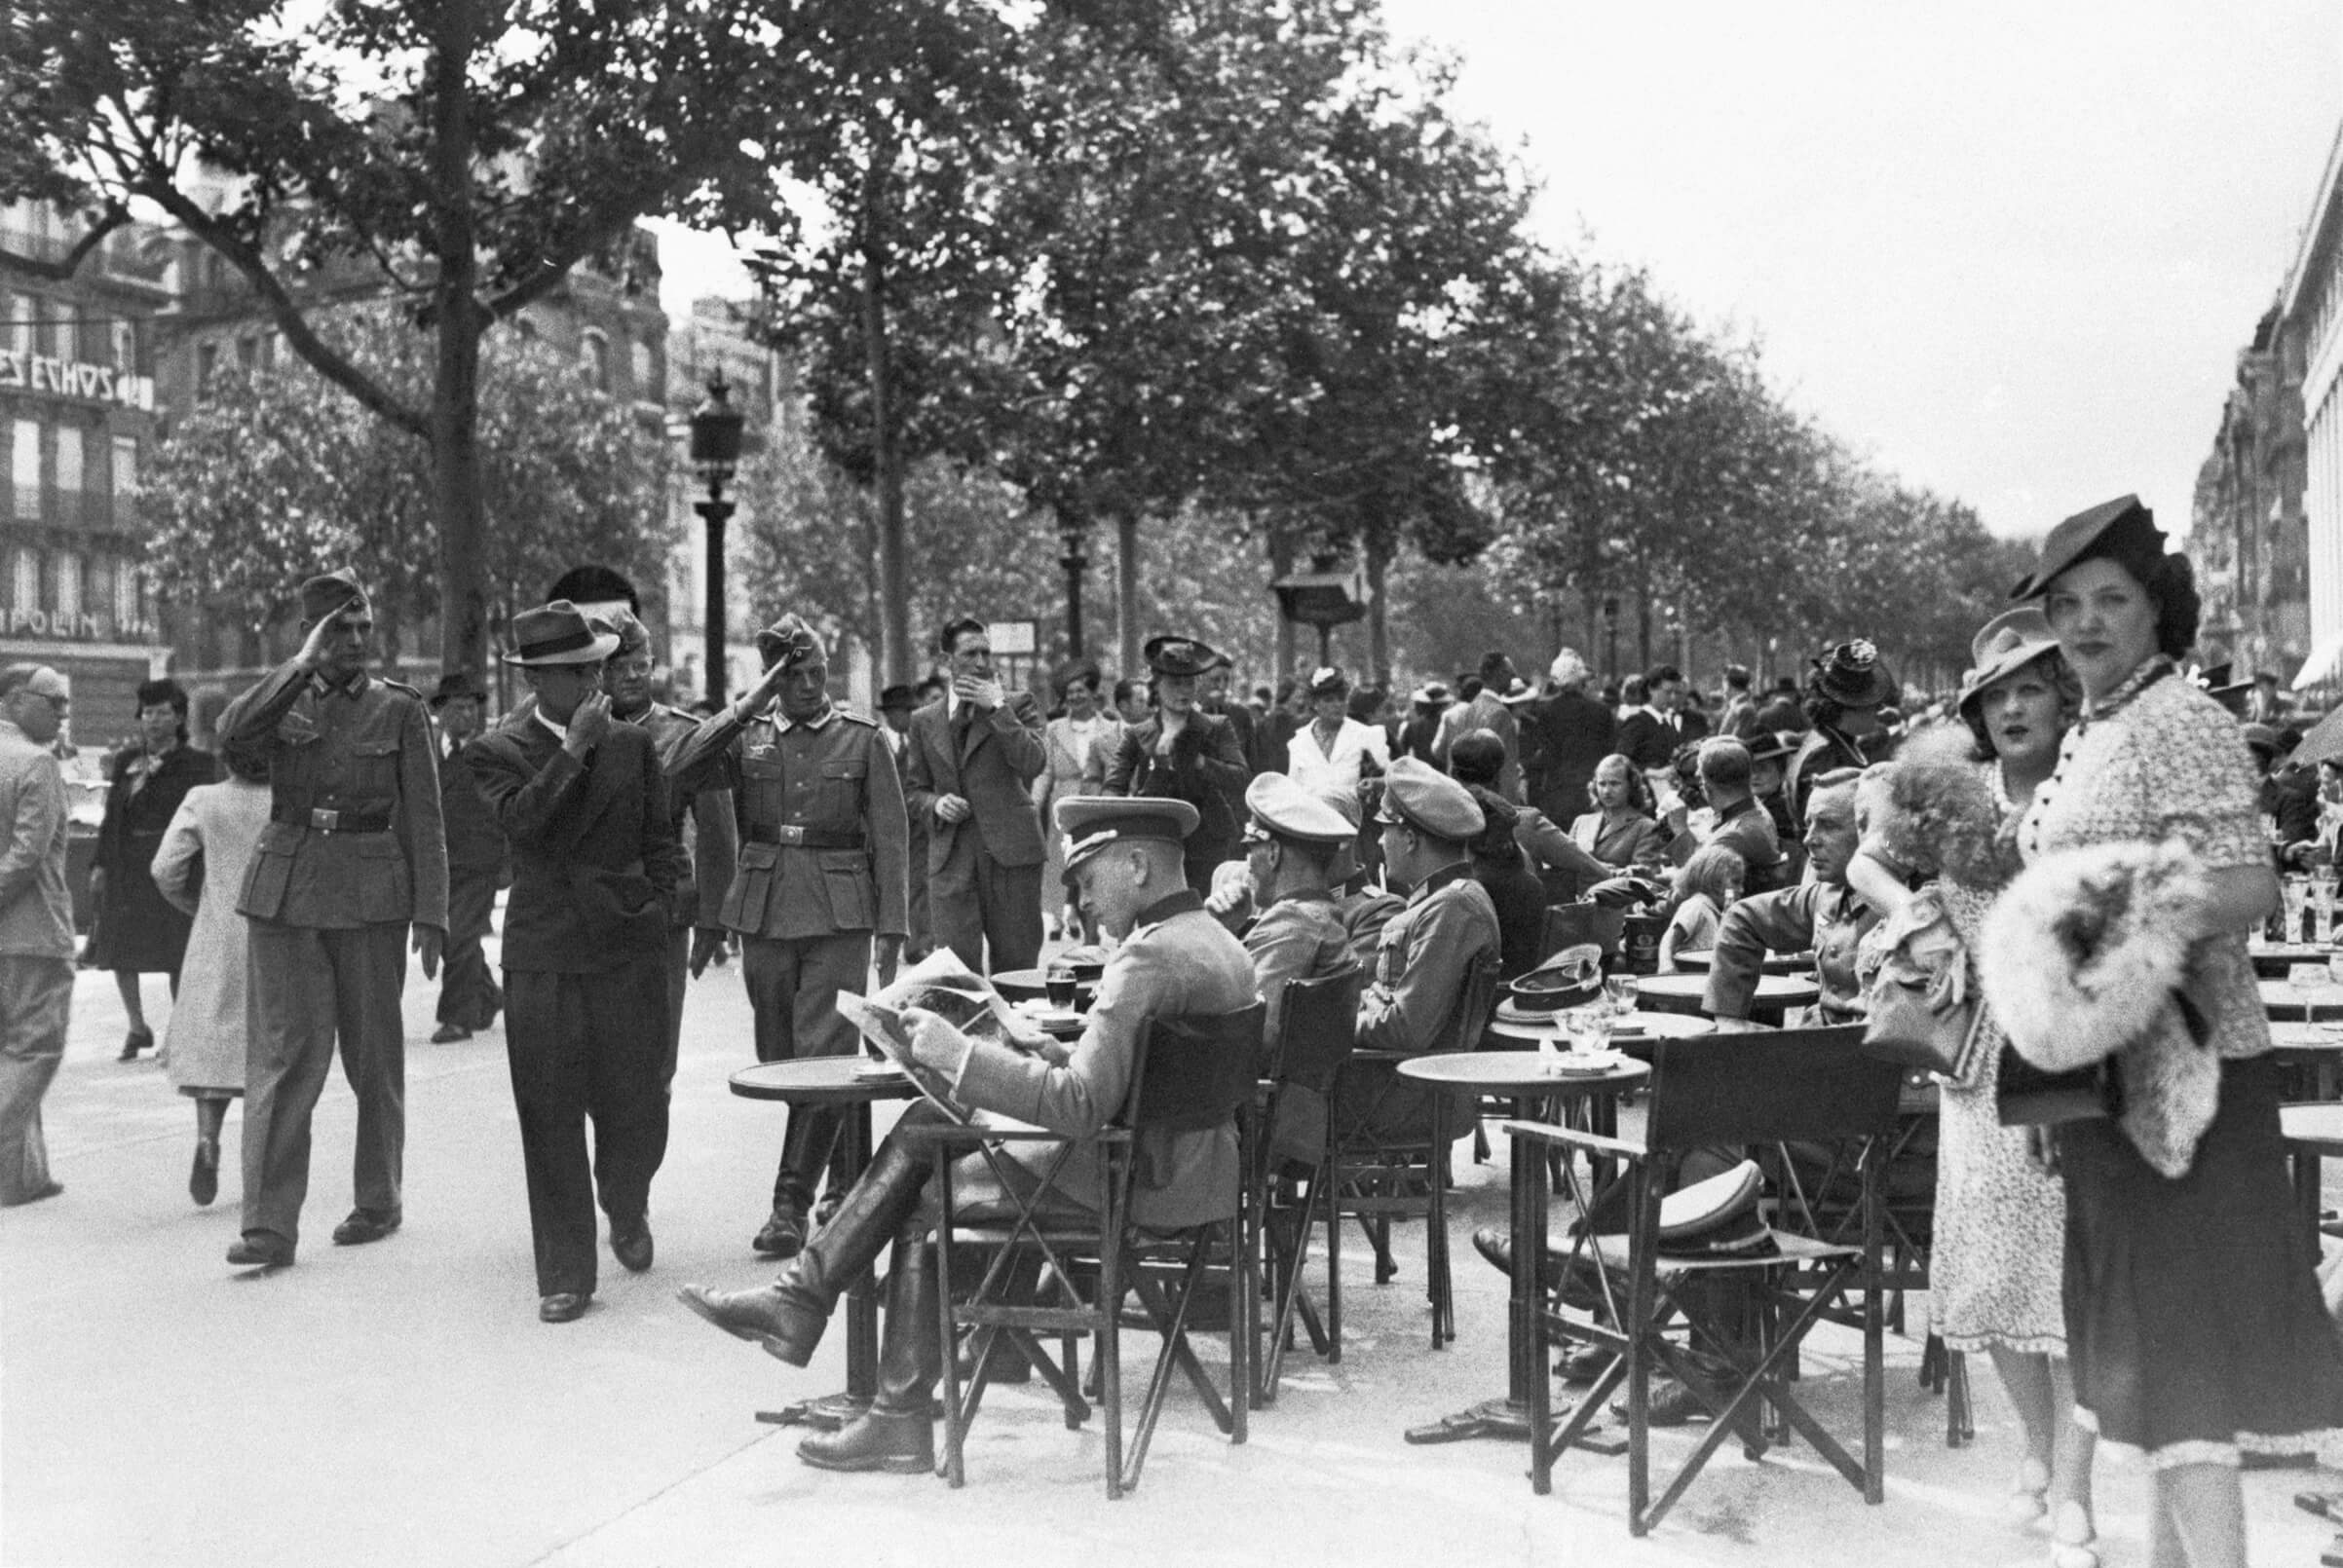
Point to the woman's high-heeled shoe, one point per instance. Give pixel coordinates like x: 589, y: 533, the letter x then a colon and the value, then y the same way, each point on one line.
x: 138, y: 1039
x: 2073, y: 1539
x: 2026, y: 1500
x: 202, y: 1180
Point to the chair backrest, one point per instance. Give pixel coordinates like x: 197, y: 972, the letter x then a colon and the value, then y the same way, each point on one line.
x: 1568, y: 924
x: 1769, y: 1086
x: 1316, y: 1028
x: 1476, y: 1005
x: 1196, y: 1072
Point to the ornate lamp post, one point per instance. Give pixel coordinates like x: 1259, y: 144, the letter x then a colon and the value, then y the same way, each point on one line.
x: 716, y: 431
x: 1073, y: 535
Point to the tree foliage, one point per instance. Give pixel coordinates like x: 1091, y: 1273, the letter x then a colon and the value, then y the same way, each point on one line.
x: 278, y: 474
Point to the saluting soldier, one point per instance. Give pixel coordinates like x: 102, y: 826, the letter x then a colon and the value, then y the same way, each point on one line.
x: 352, y: 853
x: 708, y: 849
x: 824, y: 856
x: 1181, y: 753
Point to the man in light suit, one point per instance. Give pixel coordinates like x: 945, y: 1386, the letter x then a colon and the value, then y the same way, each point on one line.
x: 596, y: 865
x: 970, y: 759
x: 1175, y: 961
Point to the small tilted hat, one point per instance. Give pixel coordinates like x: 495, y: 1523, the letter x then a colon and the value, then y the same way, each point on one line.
x: 1180, y: 655
x: 2002, y: 647
x: 2124, y: 523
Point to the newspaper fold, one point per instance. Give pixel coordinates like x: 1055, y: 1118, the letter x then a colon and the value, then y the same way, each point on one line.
x: 962, y: 998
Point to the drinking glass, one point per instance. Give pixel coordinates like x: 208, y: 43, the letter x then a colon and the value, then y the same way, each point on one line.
x: 1059, y: 983
x: 2290, y: 893
x: 2322, y: 898
x: 1590, y: 1030
x: 1620, y: 991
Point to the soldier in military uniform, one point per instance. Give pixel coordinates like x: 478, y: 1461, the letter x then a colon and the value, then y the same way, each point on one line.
x: 352, y: 853
x: 1181, y: 753
x: 1292, y: 844
x: 823, y: 852
x: 708, y: 849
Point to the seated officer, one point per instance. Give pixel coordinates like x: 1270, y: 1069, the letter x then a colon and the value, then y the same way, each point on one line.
x: 1292, y: 842
x: 1822, y: 914
x: 1123, y: 857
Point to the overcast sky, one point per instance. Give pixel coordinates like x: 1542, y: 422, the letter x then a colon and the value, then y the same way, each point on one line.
x: 2008, y: 248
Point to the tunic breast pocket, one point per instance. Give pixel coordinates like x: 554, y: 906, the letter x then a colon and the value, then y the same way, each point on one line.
x: 374, y: 769
x: 842, y: 783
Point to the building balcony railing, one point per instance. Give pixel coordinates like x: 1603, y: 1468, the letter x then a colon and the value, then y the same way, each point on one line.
x: 27, y: 508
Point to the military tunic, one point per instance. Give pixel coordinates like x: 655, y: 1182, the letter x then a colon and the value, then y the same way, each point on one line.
x: 1831, y: 920
x: 354, y: 851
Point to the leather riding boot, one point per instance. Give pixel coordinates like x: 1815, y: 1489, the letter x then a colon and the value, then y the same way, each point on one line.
x: 808, y: 1146
x: 788, y: 1316
x: 897, y: 1433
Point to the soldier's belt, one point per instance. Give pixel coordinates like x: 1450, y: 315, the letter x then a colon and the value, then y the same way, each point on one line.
x: 805, y: 837
x: 322, y: 820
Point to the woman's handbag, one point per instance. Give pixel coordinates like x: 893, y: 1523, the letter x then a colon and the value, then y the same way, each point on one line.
x: 1920, y: 1010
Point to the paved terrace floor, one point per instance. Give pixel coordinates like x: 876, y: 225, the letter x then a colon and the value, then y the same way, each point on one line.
x: 400, y: 1405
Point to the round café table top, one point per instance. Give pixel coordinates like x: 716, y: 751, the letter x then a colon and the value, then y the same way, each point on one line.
x: 1700, y: 961
x: 2285, y: 1003
x: 2315, y: 1129
x: 820, y: 1081
x: 2272, y: 959
x: 1024, y: 985
x: 1635, y: 1027
x: 1515, y: 1073
x: 1682, y: 993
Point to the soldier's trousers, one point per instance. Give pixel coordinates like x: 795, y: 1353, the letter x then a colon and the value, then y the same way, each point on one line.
x: 36, y: 1000
x: 793, y: 986
x: 309, y: 988
x: 587, y: 1047
x: 469, y: 997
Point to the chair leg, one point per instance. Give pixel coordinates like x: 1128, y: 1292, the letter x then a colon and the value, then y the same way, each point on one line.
x: 1244, y: 1323
x: 1333, y: 1221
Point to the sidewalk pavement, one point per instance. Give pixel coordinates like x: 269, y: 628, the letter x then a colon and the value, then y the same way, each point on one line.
x: 399, y: 1403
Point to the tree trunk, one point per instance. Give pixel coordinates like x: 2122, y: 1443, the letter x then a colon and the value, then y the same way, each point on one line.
x: 1378, y: 620
x: 1281, y: 564
x: 1127, y: 589
x: 895, y: 575
x: 456, y: 476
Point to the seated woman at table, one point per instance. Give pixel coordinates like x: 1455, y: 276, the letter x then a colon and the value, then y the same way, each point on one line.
x: 1950, y: 818
x: 1623, y: 830
x: 1707, y: 886
x: 1514, y: 837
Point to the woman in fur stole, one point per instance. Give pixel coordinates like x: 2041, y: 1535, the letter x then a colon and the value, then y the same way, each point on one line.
x: 1954, y: 799
x: 2194, y: 1324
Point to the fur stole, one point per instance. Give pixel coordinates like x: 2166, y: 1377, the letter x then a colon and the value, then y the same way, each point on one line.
x: 2081, y: 959
x: 1941, y: 811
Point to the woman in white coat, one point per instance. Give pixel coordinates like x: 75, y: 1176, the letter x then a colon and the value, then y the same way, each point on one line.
x: 199, y: 869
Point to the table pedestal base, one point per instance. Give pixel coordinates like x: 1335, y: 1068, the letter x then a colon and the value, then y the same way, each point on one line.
x: 1507, y: 1421
x: 829, y: 1413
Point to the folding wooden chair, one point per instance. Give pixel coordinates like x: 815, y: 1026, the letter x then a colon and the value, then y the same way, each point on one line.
x: 1192, y: 1074
x: 1757, y: 1088
x: 1314, y: 1034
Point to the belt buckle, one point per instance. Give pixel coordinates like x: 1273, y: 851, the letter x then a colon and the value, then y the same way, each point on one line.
x: 324, y: 821
x: 794, y: 833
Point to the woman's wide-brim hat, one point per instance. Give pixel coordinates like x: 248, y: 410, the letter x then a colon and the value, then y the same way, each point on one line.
x: 558, y: 633
x: 2001, y: 648
x: 2110, y: 523
x: 1853, y: 675
x: 1180, y: 655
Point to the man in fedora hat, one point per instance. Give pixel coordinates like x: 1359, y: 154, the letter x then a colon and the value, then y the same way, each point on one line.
x: 822, y: 873
x: 896, y: 705
x: 354, y: 852
x: 468, y: 995
x: 1487, y: 710
x: 595, y: 863
x: 703, y: 820
x: 1847, y: 684
x: 1181, y: 753
x: 975, y: 753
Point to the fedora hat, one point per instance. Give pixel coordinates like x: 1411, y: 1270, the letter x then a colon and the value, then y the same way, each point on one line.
x: 458, y: 684
x: 558, y: 633
x: 2004, y: 645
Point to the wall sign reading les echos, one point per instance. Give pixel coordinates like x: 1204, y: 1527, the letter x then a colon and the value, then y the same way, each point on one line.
x: 53, y: 376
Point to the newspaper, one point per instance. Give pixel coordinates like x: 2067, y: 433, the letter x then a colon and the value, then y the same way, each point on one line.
x: 946, y: 986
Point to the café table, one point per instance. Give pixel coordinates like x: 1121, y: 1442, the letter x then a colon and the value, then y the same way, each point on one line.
x: 2284, y: 1002
x: 2311, y: 1131
x: 2272, y: 959
x: 1774, y: 997
x: 1700, y: 961
x: 2313, y: 1055
x: 1530, y: 1079
x: 1030, y: 985
x: 842, y: 1083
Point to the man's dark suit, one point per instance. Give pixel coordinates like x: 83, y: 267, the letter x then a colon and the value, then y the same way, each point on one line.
x: 1206, y: 769
x: 469, y: 997
x: 984, y: 872
x: 1650, y: 744
x: 1565, y: 737
x: 595, y: 864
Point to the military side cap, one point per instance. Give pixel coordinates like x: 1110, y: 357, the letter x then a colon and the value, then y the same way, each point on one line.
x: 633, y: 636
x: 1093, y: 822
x: 1284, y: 809
x: 898, y: 698
x: 1421, y: 796
x: 2004, y: 645
x: 321, y: 596
x: 558, y: 633
x: 789, y: 642
x: 2122, y: 522
x: 459, y: 684
x: 1180, y: 655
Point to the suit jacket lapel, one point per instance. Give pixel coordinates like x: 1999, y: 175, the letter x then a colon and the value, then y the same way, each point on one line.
x: 972, y: 736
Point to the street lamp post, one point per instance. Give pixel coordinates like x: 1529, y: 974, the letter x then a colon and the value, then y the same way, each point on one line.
x: 717, y: 427
x: 1072, y: 534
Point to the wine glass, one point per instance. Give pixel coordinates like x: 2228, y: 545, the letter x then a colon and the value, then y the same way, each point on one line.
x: 2290, y: 893
x: 1590, y: 1030
x: 1620, y: 991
